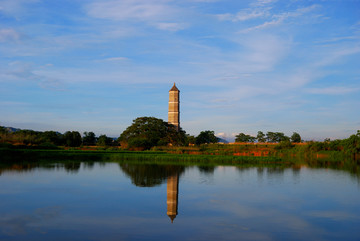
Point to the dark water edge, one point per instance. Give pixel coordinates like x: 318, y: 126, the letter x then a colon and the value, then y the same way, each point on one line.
x: 71, y: 159
x: 10, y: 155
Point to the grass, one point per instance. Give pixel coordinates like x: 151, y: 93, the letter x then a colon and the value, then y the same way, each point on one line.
x: 13, y: 155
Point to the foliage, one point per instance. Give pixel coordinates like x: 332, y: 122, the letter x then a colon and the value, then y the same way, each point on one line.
x: 295, y: 137
x: 89, y: 138
x: 191, y: 139
x: 352, y: 144
x: 52, y: 137
x: 146, y: 132
x: 241, y: 137
x: 206, y: 137
x: 261, y: 137
x: 276, y: 136
x: 286, y: 144
x: 103, y: 140
x: 72, y: 138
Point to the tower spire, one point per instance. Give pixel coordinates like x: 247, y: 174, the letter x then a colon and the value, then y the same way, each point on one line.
x: 174, y: 107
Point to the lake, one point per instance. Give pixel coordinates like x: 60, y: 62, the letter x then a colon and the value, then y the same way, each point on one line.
x: 124, y: 201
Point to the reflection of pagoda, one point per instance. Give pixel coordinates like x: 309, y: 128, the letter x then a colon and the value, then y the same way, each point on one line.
x: 172, y: 196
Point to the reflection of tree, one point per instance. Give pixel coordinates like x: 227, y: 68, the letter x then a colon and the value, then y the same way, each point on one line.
x: 72, y: 167
x: 149, y: 175
x: 275, y: 170
x: 243, y: 168
x: 29, y: 167
x: 207, y: 169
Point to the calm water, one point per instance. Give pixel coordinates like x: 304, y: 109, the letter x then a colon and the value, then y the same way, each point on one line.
x: 112, y: 201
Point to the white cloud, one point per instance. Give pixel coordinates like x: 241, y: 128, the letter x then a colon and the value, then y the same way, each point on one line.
x: 15, y: 8
x: 263, y: 2
x: 333, y: 90
x: 19, y: 71
x: 170, y: 26
x: 160, y: 14
x: 116, y: 59
x: 9, y: 35
x: 244, y: 15
x: 335, y: 54
x: 129, y: 9
x: 277, y: 19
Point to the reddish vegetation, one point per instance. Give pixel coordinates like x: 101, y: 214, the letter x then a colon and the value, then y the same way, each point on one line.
x: 252, y: 153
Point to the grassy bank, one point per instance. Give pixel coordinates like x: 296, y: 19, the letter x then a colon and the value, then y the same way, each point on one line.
x: 33, y: 155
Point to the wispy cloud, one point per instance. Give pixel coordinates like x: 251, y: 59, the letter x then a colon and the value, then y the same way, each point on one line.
x: 277, y: 19
x: 155, y: 13
x: 171, y: 26
x: 116, y: 59
x: 15, y: 8
x: 335, y: 53
x: 19, y: 71
x: 333, y: 90
x: 10, y: 35
x: 263, y: 2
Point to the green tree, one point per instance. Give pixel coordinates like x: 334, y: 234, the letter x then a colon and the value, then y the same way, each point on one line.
x: 241, y: 137
x: 103, y: 140
x: 295, y: 137
x: 206, y: 137
x: 89, y: 138
x: 261, y: 137
x: 146, y: 132
x: 276, y: 137
x: 352, y: 144
x: 191, y: 139
x: 72, y: 138
x: 52, y: 137
x: 270, y: 136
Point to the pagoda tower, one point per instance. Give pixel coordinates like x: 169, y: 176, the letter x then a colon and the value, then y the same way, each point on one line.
x: 174, y: 107
x: 172, y: 196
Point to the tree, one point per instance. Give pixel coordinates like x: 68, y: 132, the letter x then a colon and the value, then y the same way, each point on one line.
x: 276, y: 136
x: 270, y: 136
x: 103, y: 140
x: 51, y: 137
x: 261, y: 137
x: 206, y: 137
x: 89, y: 138
x: 72, y: 138
x: 191, y: 139
x: 146, y: 132
x: 352, y: 144
x: 295, y: 137
x: 244, y: 138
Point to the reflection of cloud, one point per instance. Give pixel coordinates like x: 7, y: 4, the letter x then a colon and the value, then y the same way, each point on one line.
x: 334, y: 215
x: 14, y: 225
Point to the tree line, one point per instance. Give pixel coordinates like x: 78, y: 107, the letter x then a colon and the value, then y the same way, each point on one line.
x: 147, y: 132
x: 272, y: 137
x: 144, y: 133
x: 49, y: 138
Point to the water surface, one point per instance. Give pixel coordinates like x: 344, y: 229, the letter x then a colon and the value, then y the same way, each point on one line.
x: 123, y: 201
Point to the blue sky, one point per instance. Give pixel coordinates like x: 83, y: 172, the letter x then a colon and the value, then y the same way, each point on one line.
x: 241, y: 66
